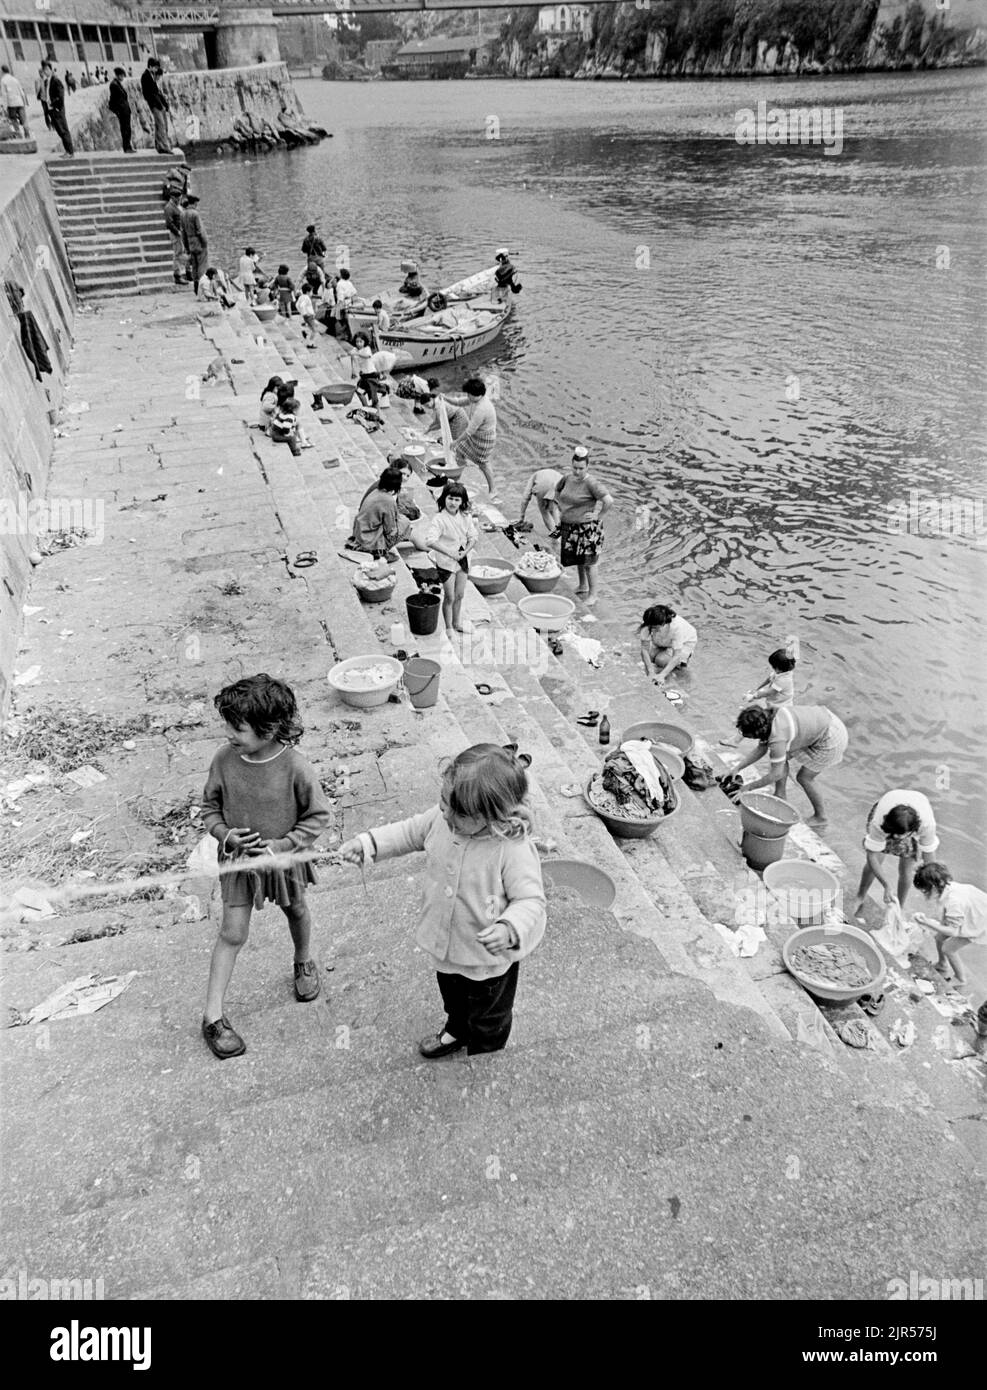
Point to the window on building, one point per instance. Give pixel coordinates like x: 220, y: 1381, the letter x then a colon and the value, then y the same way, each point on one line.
x: 105, y: 44
x: 26, y: 31
x: 60, y: 33
x: 17, y: 48
x: 90, y: 33
x: 118, y: 35
x: 80, y: 52
x: 135, y: 51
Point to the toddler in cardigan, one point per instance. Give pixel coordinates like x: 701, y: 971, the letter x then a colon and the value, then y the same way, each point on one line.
x: 484, y: 907
x: 261, y: 798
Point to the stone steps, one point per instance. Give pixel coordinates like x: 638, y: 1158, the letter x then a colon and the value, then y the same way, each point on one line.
x: 110, y: 210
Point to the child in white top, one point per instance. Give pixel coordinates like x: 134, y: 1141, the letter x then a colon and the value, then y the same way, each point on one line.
x: 305, y: 307
x: 777, y: 689
x: 484, y: 899
x: 451, y: 536
x: 962, y: 919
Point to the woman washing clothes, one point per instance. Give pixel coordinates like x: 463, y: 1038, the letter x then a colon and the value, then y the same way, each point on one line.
x: 377, y: 527
x: 476, y: 443
x: 810, y: 735
x: 903, y: 825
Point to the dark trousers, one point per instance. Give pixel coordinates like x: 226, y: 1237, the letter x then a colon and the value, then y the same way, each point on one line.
x: 369, y: 386
x: 125, y: 131
x: 61, y: 128
x: 46, y: 112
x: 480, y: 1012
x: 161, y: 143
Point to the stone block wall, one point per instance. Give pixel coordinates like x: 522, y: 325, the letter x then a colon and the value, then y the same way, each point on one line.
x: 204, y: 106
x: 32, y: 255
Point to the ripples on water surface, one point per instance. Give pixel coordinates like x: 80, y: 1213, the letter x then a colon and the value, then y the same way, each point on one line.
x: 765, y: 515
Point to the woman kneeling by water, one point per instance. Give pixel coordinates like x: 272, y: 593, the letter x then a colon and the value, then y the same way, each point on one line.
x: 808, y: 734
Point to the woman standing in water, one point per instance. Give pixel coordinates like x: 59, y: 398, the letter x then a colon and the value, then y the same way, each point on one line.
x: 811, y: 735
x: 582, y: 502
x: 476, y: 443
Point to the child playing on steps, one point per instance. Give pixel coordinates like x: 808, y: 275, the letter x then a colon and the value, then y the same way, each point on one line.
x: 777, y: 689
x: 261, y: 798
x: 484, y: 907
x: 962, y: 916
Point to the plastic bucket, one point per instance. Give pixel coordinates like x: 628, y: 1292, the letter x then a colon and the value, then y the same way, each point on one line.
x: 767, y: 816
x: 423, y: 613
x: 806, y: 890
x: 421, y: 680
x: 759, y: 851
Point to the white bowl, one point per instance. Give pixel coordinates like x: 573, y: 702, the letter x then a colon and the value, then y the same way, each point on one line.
x: 547, y: 612
x: 372, y: 695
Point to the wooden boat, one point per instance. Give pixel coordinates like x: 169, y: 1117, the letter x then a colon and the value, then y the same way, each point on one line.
x: 473, y: 318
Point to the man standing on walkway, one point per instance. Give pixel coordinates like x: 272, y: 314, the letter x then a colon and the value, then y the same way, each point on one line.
x: 194, y: 238
x: 13, y: 98
x: 173, y: 226
x: 54, y: 95
x: 120, y: 106
x: 41, y: 92
x: 158, y: 103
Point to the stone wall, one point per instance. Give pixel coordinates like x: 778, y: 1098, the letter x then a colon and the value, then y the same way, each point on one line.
x: 204, y: 106
x: 32, y: 255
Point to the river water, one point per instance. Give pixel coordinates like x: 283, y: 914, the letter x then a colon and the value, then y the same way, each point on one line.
x: 681, y: 290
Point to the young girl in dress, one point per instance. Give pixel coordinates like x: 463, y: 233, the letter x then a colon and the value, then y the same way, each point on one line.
x: 261, y: 798
x: 484, y: 900
x: 962, y: 916
x: 451, y: 536
x: 778, y: 687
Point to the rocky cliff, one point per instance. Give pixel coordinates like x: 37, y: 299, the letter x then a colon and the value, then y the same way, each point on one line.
x: 720, y: 38
x: 204, y: 106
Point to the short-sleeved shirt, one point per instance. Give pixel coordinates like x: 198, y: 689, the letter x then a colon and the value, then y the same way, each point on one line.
x: 577, y: 497
x: 928, y: 840
x: 797, y: 727
x: 13, y: 92
x: 304, y: 305
x: 963, y: 909
x: 545, y: 482
x: 682, y: 636
x: 781, y: 691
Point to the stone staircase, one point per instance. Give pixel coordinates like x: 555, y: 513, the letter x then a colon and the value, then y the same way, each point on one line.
x: 654, y: 1097
x: 110, y: 211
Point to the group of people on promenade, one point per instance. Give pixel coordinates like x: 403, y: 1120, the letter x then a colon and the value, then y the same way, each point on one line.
x: 51, y: 91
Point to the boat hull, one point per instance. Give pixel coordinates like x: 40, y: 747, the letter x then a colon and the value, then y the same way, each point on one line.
x: 425, y: 352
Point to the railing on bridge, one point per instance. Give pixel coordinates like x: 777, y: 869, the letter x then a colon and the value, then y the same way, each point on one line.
x: 206, y: 16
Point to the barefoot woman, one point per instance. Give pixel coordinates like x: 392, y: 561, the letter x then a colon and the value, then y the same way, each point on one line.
x: 582, y: 502
x: 808, y: 734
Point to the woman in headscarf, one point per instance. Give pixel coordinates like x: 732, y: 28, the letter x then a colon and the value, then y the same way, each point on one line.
x: 810, y: 735
x: 476, y: 443
x: 583, y: 501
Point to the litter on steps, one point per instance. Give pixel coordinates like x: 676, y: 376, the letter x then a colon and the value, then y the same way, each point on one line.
x: 81, y: 996
x: 855, y: 1033
x: 745, y: 940
x: 903, y: 1033
x: 587, y: 647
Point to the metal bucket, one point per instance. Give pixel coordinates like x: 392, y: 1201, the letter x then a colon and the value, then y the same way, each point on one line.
x: 421, y: 680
